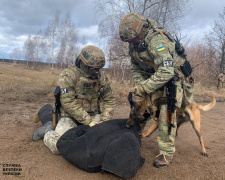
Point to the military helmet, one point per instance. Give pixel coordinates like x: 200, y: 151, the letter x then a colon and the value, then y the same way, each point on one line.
x: 152, y: 23
x: 131, y: 26
x: 92, y: 56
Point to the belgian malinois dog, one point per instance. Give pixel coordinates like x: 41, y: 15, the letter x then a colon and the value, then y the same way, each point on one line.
x: 145, y: 108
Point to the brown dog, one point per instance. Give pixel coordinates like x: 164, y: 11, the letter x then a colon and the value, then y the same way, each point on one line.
x: 188, y: 113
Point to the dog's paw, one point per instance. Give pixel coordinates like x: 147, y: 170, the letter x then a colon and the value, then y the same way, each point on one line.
x: 144, y: 134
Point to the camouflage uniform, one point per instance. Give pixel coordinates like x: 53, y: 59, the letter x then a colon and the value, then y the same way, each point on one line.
x: 221, y: 80
x: 80, y: 98
x: 154, y: 62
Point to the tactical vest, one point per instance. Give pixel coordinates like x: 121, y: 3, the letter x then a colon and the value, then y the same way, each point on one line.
x: 87, y: 92
x: 146, y: 60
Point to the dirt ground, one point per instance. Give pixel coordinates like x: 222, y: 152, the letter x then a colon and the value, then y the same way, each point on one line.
x: 37, y: 162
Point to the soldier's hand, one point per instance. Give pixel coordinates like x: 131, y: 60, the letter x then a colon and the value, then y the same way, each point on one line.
x: 139, y: 91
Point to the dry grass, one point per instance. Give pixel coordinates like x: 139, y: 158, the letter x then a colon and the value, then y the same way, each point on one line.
x: 22, y: 84
x: 17, y: 83
x: 121, y: 91
x: 202, y: 93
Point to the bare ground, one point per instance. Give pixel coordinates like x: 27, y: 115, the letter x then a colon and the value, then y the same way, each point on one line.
x: 37, y: 162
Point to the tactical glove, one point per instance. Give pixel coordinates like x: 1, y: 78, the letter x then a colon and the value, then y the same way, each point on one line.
x: 92, y: 123
x: 139, y: 91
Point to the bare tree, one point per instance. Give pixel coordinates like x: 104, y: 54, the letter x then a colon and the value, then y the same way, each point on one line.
x: 52, y: 33
x: 109, y: 14
x: 28, y: 50
x: 165, y: 12
x: 15, y: 54
x: 119, y: 61
x: 40, y: 50
x: 216, y: 38
x: 61, y: 52
x: 68, y: 38
x: 71, y: 33
x: 204, y: 63
x: 58, y: 44
x: 35, y: 49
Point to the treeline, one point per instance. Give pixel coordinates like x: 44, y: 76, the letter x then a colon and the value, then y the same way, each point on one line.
x: 56, y: 44
x: 17, y: 61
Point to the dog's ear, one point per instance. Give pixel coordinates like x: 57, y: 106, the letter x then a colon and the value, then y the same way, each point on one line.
x: 130, y: 98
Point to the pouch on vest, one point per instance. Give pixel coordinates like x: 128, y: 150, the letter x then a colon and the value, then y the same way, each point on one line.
x: 179, y: 94
x: 188, y: 87
x: 186, y: 69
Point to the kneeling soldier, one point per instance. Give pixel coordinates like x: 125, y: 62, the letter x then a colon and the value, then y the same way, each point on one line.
x: 82, y: 87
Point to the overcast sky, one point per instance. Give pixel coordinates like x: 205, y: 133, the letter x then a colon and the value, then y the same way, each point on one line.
x: 21, y: 18
x: 201, y: 17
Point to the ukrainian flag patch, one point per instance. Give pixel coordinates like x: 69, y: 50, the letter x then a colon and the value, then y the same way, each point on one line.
x: 160, y: 48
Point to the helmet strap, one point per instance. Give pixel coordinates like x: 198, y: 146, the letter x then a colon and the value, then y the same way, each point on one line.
x: 142, y: 34
x: 83, y: 67
x: 77, y: 62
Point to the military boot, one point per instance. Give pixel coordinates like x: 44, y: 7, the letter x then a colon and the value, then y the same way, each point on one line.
x: 41, y: 131
x: 162, y: 161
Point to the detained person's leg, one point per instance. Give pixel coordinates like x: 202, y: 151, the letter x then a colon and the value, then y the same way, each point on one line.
x: 51, y: 137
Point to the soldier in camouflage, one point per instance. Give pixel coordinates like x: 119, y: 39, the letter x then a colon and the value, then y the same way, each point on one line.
x: 154, y: 62
x: 221, y: 80
x: 83, y: 86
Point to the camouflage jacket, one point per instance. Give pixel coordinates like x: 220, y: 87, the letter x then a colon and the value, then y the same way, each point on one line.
x: 221, y: 77
x: 81, y: 95
x: 154, y: 61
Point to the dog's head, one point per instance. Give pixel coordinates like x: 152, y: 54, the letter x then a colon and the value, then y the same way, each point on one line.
x: 138, y: 112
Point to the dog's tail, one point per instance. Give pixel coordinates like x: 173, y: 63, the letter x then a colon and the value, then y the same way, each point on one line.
x: 208, y: 106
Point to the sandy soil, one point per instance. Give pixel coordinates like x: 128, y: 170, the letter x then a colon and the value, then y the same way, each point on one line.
x: 37, y: 162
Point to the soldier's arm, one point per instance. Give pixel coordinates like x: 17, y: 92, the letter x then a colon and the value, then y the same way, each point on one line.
x: 158, y: 48
x: 107, y: 97
x: 67, y: 81
x: 136, y: 72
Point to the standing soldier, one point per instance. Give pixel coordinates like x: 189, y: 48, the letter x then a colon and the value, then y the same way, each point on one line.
x: 158, y: 64
x: 221, y: 80
x: 82, y: 87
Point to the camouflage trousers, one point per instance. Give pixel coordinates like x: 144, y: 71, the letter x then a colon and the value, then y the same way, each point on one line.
x: 184, y: 95
x: 64, y: 124
x: 51, y: 137
x: 166, y: 141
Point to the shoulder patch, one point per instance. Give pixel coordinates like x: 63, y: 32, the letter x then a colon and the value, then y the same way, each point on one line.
x: 160, y: 48
x: 168, y: 63
x: 63, y: 90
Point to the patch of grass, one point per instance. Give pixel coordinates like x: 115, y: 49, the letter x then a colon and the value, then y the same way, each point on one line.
x: 121, y: 90
x: 204, y: 94
x: 19, y: 83
x: 20, y: 176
